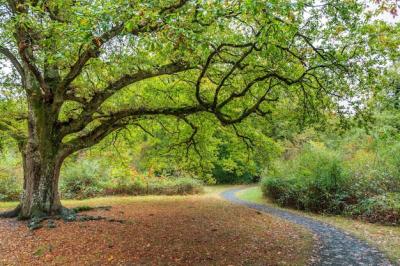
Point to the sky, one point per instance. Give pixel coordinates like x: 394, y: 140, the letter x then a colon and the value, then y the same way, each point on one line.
x: 386, y: 16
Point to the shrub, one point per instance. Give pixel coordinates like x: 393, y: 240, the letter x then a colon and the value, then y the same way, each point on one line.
x: 383, y: 208
x: 156, y: 186
x: 90, y: 178
x: 10, y: 187
x: 11, y: 175
x: 372, y: 172
x: 175, y: 186
x: 281, y: 190
x: 82, y: 179
x: 358, y: 177
x: 314, y: 180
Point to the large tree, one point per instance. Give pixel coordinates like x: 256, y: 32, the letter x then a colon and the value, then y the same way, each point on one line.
x: 74, y: 71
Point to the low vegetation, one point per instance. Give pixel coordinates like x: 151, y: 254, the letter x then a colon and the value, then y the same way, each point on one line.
x: 385, y: 238
x: 87, y: 178
x: 357, y: 176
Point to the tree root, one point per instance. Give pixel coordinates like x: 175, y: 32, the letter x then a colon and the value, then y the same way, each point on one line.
x: 71, y: 215
x: 88, y: 208
x: 65, y: 214
x: 11, y: 214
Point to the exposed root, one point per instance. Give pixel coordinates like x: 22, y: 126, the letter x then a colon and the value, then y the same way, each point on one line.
x: 65, y: 214
x: 70, y: 215
x: 11, y: 214
x: 88, y: 208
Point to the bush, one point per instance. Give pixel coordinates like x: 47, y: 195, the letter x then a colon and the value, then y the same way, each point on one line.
x: 156, y: 186
x: 11, y: 175
x: 314, y: 181
x: 10, y: 187
x: 90, y: 178
x: 358, y: 177
x: 383, y: 208
x: 82, y: 179
x: 283, y: 191
x: 373, y: 172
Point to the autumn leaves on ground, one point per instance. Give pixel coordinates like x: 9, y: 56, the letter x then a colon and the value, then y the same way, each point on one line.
x: 196, y: 230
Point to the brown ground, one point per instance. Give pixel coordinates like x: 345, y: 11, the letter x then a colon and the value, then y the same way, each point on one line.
x: 194, y: 230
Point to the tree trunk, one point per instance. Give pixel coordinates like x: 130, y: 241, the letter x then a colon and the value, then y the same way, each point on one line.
x: 42, y: 161
x: 42, y: 154
x: 41, y: 174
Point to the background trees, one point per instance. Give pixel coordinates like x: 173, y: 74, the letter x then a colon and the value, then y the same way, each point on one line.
x: 81, y: 71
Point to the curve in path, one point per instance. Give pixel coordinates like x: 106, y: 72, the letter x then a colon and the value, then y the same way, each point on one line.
x: 337, y: 247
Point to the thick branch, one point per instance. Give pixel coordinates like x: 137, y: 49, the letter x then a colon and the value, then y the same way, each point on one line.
x: 231, y: 71
x: 91, y: 138
x: 127, y: 80
x: 171, y: 111
x: 116, y: 120
x: 91, y: 52
x: 29, y: 60
x: 25, y: 37
x: 248, y: 111
x: 92, y: 106
x: 97, y: 42
x: 7, y: 53
x: 208, y: 64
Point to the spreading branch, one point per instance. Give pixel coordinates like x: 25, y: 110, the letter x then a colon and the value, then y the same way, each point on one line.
x: 10, y: 56
x: 92, y: 106
x: 93, y: 49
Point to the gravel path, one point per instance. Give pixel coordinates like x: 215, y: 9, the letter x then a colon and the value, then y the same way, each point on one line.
x: 337, y: 247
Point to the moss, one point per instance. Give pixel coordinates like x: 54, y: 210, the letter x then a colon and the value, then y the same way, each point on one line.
x: 82, y: 209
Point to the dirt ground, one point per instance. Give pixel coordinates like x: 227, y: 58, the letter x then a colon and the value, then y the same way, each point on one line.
x: 192, y: 230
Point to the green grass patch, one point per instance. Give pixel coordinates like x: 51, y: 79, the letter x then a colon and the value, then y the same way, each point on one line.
x: 116, y: 200
x: 8, y: 204
x: 253, y: 194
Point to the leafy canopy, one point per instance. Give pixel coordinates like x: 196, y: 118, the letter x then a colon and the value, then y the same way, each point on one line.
x: 103, y: 65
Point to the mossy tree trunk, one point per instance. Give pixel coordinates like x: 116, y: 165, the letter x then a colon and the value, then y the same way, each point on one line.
x: 42, y: 160
x: 41, y: 174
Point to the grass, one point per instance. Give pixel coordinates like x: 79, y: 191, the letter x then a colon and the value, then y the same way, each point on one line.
x: 118, y: 200
x: 160, y: 230
x: 8, y: 204
x: 385, y: 238
x: 209, y: 191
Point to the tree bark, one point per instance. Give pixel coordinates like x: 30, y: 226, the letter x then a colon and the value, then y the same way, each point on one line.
x: 41, y: 174
x: 42, y: 160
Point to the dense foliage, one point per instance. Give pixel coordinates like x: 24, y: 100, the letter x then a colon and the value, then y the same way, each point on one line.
x: 80, y: 71
x: 160, y: 96
x: 90, y: 177
x: 10, y: 175
x: 356, y: 174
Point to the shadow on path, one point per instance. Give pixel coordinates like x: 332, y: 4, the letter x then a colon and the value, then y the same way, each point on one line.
x: 337, y: 247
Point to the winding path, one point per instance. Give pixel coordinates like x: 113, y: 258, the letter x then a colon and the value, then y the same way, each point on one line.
x: 337, y: 247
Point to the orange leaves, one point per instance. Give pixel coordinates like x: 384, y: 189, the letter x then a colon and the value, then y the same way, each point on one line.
x: 168, y: 231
